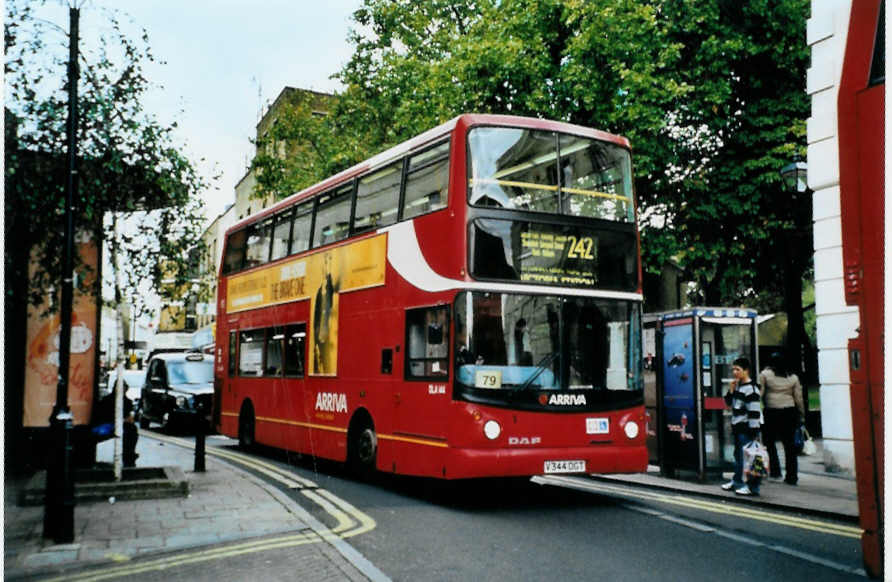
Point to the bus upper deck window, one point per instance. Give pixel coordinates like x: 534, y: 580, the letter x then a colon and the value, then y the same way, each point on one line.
x: 427, y: 181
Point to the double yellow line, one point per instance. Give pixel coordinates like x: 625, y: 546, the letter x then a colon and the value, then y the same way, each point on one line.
x: 349, y: 522
x: 710, y: 506
x: 286, y: 541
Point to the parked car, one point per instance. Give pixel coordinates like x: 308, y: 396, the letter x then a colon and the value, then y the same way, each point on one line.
x: 178, y: 390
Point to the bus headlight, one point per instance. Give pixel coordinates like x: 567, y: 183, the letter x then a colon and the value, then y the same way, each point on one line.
x: 492, y: 429
x: 631, y: 428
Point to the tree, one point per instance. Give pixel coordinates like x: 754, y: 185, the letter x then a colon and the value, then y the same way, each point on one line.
x: 129, y: 161
x: 711, y: 95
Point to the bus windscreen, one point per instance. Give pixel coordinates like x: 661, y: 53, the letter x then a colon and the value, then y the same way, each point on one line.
x: 554, y: 173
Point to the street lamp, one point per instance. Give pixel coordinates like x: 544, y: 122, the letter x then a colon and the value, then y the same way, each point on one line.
x: 795, y: 176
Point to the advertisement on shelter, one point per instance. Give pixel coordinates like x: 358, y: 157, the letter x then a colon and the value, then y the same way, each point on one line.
x: 42, y: 348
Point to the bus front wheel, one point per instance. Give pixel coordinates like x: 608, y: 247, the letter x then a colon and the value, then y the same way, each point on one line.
x: 246, y: 427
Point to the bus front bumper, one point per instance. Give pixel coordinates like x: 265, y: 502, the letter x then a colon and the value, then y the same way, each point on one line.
x: 466, y: 463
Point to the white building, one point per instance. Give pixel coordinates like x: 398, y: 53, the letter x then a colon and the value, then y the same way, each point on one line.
x: 836, y: 321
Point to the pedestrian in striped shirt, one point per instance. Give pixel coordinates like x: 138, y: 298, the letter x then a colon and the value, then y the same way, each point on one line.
x: 746, y: 412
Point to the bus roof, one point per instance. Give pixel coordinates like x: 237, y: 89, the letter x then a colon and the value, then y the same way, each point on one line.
x: 465, y: 120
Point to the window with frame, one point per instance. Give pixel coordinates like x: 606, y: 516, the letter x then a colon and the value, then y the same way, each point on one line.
x: 251, y: 344
x: 427, y: 181
x: 378, y: 198
x: 257, y: 251
x: 233, y: 346
x: 333, y: 216
x: 281, y: 235
x: 235, y: 252
x: 295, y: 349
x: 303, y: 224
x: 427, y: 341
x: 272, y: 360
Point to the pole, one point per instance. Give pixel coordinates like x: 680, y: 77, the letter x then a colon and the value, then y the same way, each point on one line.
x: 58, y: 522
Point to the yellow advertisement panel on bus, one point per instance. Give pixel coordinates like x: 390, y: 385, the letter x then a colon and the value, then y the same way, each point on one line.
x: 319, y: 277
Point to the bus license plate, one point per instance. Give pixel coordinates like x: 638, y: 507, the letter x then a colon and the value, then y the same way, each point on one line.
x: 565, y: 466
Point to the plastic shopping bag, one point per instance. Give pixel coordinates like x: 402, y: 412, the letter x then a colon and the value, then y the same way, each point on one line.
x: 808, y: 445
x: 755, y: 459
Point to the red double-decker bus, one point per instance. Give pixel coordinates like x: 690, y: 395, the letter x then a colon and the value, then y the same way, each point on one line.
x: 465, y: 304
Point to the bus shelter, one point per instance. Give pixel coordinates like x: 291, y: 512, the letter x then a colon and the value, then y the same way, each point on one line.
x: 687, y: 370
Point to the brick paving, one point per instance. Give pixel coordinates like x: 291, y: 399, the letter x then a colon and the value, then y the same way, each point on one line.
x: 224, y: 505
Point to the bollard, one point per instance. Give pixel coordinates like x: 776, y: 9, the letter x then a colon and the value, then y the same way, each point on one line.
x: 199, y: 446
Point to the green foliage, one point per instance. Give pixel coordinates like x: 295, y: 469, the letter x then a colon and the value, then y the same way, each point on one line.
x: 128, y: 161
x: 710, y: 93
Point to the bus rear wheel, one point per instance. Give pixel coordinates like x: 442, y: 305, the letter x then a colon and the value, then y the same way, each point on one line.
x: 246, y: 427
x: 363, y: 450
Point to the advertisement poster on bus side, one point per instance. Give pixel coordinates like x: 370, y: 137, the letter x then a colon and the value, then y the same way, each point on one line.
x: 319, y: 277
x: 42, y: 348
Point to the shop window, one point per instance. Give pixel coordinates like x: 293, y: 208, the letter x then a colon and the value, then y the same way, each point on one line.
x: 427, y: 341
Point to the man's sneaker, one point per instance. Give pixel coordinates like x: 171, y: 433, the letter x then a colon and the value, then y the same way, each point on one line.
x: 728, y: 486
x: 745, y: 490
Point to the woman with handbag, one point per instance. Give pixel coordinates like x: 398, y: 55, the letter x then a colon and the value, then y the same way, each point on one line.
x: 784, y: 412
x: 743, y: 398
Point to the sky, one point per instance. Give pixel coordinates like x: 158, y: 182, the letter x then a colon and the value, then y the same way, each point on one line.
x: 225, y: 60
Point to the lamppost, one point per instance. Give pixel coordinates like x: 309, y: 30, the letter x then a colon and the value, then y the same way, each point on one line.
x: 798, y: 206
x: 58, y: 517
x: 795, y: 176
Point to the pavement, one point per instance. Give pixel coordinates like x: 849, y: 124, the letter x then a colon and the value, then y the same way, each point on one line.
x: 227, y: 505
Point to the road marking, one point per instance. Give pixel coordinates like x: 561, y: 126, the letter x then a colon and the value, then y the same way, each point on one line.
x: 343, y: 512
x: 802, y: 523
x: 714, y: 507
x: 286, y: 541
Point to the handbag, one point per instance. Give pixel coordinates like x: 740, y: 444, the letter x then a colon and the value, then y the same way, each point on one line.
x: 755, y: 459
x: 808, y: 444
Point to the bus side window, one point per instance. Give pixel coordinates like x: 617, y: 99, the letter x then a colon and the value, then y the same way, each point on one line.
x: 333, y: 216
x: 235, y: 252
x: 233, y: 344
x: 295, y: 343
x: 281, y: 235
x: 273, y: 357
x: 259, y: 241
x: 427, y: 181
x: 303, y: 223
x: 250, y: 361
x: 378, y: 198
x: 427, y: 343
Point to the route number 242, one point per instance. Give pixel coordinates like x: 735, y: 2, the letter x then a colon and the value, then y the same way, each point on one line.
x: 581, y: 248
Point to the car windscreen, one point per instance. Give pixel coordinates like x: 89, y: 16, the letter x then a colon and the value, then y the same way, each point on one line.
x: 190, y: 372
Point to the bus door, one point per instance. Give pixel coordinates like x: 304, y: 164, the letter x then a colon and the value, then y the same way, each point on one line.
x: 421, y: 402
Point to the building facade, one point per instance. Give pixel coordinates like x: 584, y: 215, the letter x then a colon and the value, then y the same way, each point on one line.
x: 246, y: 203
x: 836, y: 322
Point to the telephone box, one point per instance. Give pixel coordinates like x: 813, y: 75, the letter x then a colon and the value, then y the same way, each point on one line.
x: 688, y: 357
